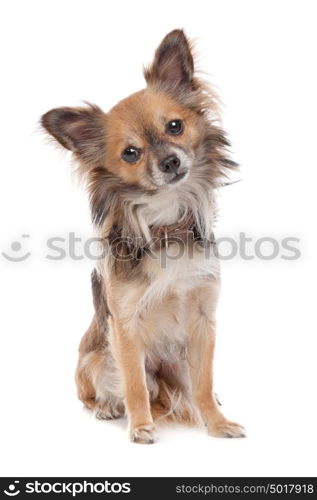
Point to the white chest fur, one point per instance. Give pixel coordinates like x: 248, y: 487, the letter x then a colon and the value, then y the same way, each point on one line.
x: 177, y: 269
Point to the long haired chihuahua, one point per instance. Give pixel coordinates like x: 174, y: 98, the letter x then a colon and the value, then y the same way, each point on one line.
x: 152, y: 165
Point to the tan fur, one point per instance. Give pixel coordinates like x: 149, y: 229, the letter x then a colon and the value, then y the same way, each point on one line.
x: 125, y: 120
x: 148, y: 353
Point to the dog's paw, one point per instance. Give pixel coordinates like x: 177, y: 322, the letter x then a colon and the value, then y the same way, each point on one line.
x: 106, y: 411
x: 225, y: 428
x: 144, y: 434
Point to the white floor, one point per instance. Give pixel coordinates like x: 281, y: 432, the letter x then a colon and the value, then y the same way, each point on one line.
x: 264, y: 377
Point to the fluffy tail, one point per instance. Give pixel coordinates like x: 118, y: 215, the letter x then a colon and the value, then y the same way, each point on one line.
x: 172, y: 405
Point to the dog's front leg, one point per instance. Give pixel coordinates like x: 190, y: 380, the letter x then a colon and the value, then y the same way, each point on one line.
x: 200, y: 357
x: 130, y: 358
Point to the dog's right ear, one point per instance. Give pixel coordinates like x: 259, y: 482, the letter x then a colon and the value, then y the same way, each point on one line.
x: 81, y: 130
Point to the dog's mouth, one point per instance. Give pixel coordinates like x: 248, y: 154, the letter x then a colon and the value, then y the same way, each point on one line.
x: 177, y: 177
x: 171, y: 180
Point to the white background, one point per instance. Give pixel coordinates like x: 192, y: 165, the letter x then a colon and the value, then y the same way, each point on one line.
x: 261, y: 55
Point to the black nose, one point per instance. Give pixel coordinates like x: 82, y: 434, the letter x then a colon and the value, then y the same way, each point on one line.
x: 170, y: 164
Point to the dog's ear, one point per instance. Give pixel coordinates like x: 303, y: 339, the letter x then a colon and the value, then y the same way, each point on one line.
x: 81, y: 130
x: 173, y: 64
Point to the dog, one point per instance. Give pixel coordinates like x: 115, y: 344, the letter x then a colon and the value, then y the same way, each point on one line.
x: 152, y: 166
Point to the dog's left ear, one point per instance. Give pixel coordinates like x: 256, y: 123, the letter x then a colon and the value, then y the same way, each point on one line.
x: 173, y: 65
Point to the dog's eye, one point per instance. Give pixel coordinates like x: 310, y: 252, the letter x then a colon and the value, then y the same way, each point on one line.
x: 130, y: 154
x: 174, y: 127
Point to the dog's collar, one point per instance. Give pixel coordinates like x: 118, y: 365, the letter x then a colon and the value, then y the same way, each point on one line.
x: 181, y: 231
x: 163, y: 235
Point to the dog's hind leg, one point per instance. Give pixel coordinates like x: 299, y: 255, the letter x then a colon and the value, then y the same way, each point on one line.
x: 96, y: 376
x: 91, y: 377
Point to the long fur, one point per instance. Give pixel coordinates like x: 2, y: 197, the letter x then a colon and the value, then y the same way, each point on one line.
x: 152, y: 310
